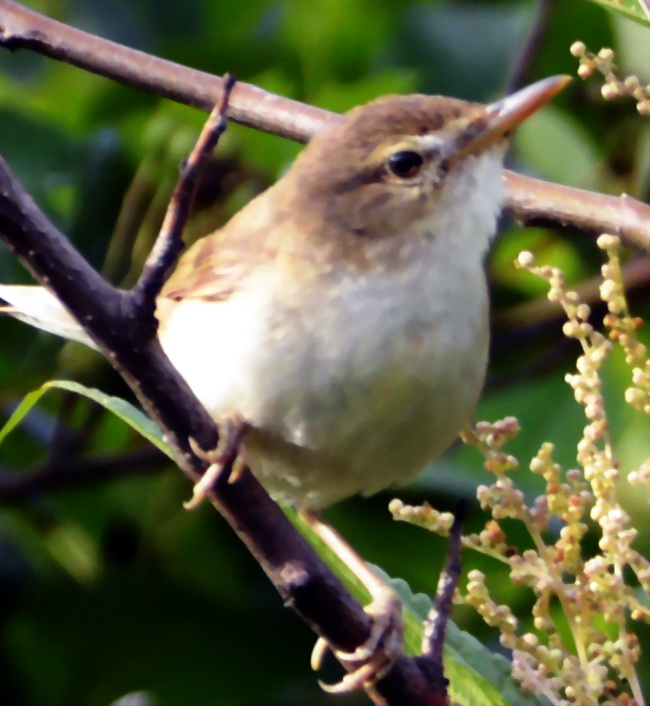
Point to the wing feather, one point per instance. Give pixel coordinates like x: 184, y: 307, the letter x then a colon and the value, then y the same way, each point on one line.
x: 215, y: 266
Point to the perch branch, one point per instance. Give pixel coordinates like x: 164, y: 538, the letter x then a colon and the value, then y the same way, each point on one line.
x: 108, y: 315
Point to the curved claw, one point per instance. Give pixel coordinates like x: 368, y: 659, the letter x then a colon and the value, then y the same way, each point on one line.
x: 228, y: 451
x: 362, y: 654
x: 367, y: 674
x: 372, y: 660
x: 317, y: 654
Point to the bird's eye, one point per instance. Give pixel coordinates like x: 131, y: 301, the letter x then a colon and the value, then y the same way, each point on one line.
x: 405, y: 164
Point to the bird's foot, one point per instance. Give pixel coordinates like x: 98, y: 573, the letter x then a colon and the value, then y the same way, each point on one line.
x: 227, y: 454
x: 372, y: 660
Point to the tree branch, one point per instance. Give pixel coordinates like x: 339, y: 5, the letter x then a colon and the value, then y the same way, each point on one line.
x: 536, y: 202
x: 22, y: 28
x: 55, y: 473
x: 530, y: 48
x: 169, y: 243
x: 529, y: 200
x: 108, y: 315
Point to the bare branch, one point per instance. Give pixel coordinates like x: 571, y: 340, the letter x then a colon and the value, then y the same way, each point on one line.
x: 108, y: 315
x: 537, y: 202
x: 435, y: 626
x: 169, y: 243
x: 22, y: 28
x: 529, y: 200
x: 60, y: 473
x: 530, y: 48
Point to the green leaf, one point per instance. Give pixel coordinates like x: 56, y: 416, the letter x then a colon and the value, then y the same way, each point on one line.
x: 28, y: 401
x: 637, y: 10
x: 122, y: 409
x: 477, y: 676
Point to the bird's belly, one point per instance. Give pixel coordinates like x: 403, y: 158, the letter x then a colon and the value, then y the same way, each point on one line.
x: 344, y: 403
x: 385, y: 445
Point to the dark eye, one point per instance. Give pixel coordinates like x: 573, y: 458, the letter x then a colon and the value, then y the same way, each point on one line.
x: 405, y: 164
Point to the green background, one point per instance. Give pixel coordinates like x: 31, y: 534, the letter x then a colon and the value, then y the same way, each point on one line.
x: 111, y: 587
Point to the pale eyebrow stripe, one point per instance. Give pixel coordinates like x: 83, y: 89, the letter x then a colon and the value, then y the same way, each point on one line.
x: 427, y: 145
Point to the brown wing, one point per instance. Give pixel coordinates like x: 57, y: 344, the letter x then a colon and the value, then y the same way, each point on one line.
x: 209, y: 270
x: 214, y: 266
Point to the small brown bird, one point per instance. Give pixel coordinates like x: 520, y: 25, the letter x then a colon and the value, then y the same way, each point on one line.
x: 343, y: 313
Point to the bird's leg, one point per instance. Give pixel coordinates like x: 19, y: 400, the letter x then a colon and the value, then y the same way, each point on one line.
x: 370, y: 661
x: 229, y: 452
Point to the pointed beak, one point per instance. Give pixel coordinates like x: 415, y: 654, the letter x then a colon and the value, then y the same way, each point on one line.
x: 505, y: 115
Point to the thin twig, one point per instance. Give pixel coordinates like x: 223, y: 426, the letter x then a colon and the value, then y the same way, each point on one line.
x: 519, y: 76
x: 169, y: 242
x: 57, y: 473
x: 435, y: 626
x: 527, y: 199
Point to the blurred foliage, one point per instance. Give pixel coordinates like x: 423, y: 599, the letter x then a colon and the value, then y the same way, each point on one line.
x: 112, y: 588
x: 637, y: 10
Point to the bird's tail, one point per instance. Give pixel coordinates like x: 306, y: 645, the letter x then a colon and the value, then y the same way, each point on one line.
x: 38, y: 307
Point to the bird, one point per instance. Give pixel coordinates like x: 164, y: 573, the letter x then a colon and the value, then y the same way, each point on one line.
x: 342, y: 314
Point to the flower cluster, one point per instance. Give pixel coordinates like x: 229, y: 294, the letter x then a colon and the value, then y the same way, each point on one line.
x: 623, y: 327
x: 586, y: 653
x: 614, y: 87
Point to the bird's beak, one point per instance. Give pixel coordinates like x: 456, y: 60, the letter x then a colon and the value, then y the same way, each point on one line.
x: 505, y: 115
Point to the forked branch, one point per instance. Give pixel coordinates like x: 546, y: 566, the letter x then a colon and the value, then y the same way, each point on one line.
x: 112, y: 318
